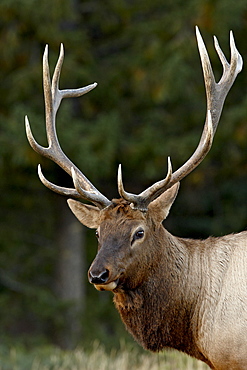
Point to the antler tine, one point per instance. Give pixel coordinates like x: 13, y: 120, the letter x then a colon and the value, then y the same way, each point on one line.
x: 93, y: 195
x: 216, y: 94
x: 53, y: 97
x: 142, y: 200
x: 57, y: 189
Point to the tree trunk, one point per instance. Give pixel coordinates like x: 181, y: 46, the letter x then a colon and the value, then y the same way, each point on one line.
x: 70, y: 268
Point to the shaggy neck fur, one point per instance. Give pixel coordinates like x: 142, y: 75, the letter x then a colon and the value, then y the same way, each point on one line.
x: 166, y: 309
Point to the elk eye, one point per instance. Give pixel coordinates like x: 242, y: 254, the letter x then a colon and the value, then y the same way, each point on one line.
x: 139, y: 234
x: 97, y: 234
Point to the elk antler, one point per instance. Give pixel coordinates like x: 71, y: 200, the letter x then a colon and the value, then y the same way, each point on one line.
x: 53, y: 97
x: 216, y: 94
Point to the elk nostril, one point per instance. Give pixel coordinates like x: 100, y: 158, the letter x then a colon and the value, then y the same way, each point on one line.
x: 100, y: 278
x: 105, y: 275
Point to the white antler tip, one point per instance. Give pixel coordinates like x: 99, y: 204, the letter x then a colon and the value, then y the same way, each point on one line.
x: 169, y: 162
x: 45, y: 55
x: 198, y: 34
x: 234, y: 52
x: 40, y: 172
x: 120, y: 180
x: 215, y: 40
x: 61, y: 49
x: 27, y: 125
x: 119, y: 171
x: 200, y: 43
x: 232, y: 41
x: 28, y: 130
x: 26, y: 121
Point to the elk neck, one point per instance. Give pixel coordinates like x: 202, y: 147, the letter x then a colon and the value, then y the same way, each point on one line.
x: 165, y: 310
x: 159, y: 311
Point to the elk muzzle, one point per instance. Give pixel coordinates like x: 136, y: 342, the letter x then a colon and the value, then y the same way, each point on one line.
x: 101, y: 279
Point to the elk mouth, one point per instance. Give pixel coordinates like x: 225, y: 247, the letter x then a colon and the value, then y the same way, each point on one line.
x: 107, y: 286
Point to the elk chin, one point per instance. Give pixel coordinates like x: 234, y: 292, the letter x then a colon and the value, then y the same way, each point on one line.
x: 110, y: 286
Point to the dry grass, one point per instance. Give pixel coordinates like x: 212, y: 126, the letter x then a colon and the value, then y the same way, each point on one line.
x: 97, y: 359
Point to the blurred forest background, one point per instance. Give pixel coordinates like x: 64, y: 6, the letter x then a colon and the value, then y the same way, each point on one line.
x: 149, y: 104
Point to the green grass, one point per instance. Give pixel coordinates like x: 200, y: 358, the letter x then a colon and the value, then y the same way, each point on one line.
x: 97, y: 358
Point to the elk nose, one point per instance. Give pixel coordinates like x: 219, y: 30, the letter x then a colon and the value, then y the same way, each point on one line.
x: 100, y: 278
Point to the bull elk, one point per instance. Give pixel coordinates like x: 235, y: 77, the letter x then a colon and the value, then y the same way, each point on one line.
x: 186, y: 294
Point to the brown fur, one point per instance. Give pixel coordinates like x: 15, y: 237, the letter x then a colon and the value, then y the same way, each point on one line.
x: 190, y: 295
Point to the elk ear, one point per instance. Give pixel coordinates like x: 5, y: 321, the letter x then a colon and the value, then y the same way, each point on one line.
x: 86, y: 214
x: 160, y: 207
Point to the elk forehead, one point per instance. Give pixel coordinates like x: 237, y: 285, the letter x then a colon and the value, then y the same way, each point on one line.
x: 122, y: 216
x: 121, y: 210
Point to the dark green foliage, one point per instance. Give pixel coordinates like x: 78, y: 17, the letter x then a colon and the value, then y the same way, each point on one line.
x: 150, y: 103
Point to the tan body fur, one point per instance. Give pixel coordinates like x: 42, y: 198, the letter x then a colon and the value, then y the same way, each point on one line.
x: 186, y: 294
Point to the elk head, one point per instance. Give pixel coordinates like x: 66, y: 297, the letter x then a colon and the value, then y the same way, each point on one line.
x: 123, y: 233
x: 131, y: 226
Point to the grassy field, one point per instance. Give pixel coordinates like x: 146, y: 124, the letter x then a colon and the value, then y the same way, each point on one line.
x: 96, y: 359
